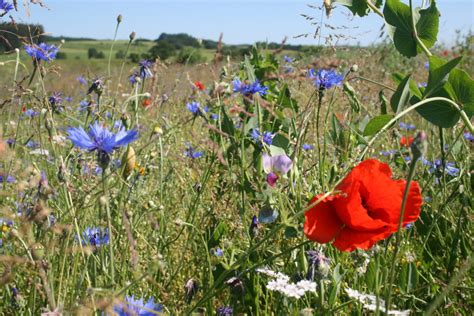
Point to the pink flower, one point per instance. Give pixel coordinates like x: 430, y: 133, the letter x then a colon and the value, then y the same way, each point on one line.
x: 275, y: 166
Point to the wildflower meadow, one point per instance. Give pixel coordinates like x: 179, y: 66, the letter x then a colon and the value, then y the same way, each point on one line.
x: 325, y: 181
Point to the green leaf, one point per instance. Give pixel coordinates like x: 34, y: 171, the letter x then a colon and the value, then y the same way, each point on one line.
x: 383, y: 102
x: 401, y: 95
x: 285, y: 99
x: 357, y: 7
x: 352, y: 95
x: 462, y: 86
x: 398, y: 18
x: 439, y: 73
x: 439, y: 113
x: 376, y: 124
x: 460, y: 89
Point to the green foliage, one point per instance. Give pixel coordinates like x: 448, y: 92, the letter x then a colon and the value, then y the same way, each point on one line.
x: 12, y: 35
x: 190, y: 55
x: 398, y: 17
x: 120, y: 54
x: 358, y: 7
x: 376, y: 124
x: 163, y: 50
x: 94, y: 53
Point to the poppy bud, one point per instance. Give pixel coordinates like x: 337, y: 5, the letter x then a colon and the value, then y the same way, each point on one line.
x: 37, y: 251
x: 132, y: 36
x: 418, y: 145
x: 119, y: 18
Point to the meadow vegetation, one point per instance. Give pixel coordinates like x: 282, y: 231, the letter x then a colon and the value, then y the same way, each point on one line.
x: 260, y: 183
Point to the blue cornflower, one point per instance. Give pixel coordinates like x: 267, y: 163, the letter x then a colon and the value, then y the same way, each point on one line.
x: 195, y: 108
x: 266, y: 137
x: 95, y: 237
x: 218, y: 252
x: 214, y: 116
x: 288, y: 59
x: 407, y: 158
x: 224, y: 311
x: 42, y: 51
x: 422, y: 85
x: 137, y: 307
x: 437, y: 165
x: 407, y: 126
x: 5, y: 7
x: 83, y: 105
x: 192, y: 153
x: 32, y: 144
x: 133, y: 78
x: 145, y: 71
x: 387, y: 153
x: 81, y: 80
x: 308, y: 146
x: 249, y: 89
x: 30, y: 113
x: 7, y: 179
x: 55, y: 100
x: 325, y: 78
x: 100, y: 138
x: 427, y: 65
x: 10, y: 142
x: 68, y: 99
x: 469, y: 137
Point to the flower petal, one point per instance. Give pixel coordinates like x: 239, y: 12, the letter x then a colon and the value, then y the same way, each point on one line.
x: 350, y: 239
x: 322, y: 224
x: 282, y: 163
x: 267, y: 163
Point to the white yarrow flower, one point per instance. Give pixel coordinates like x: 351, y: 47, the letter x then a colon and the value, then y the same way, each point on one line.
x: 281, y: 283
x: 369, y: 302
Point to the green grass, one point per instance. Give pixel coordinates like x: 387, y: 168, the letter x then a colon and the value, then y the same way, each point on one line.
x: 171, y: 214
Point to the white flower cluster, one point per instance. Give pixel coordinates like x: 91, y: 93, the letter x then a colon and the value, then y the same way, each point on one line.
x: 369, y: 302
x: 281, y: 283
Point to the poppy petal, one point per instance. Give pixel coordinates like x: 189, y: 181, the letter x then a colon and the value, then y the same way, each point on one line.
x: 350, y: 207
x: 414, y: 202
x: 350, y: 239
x: 322, y: 224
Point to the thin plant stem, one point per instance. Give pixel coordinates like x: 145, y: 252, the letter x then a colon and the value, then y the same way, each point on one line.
x: 398, y: 237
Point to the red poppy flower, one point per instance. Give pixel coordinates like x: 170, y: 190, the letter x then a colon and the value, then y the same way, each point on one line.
x: 406, y: 141
x: 366, y: 209
x: 199, y: 85
x: 146, y: 102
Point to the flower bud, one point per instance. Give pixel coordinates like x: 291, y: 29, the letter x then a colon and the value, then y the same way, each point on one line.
x: 119, y: 18
x: 37, y: 251
x: 128, y: 161
x: 191, y: 288
x: 132, y: 36
x: 354, y: 68
x: 418, y: 146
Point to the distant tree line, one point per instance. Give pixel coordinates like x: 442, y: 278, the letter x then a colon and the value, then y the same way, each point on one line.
x: 16, y: 35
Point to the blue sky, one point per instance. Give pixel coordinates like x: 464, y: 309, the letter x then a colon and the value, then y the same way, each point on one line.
x: 243, y: 21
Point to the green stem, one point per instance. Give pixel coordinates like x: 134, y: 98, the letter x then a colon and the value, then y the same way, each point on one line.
x: 374, y: 8
x: 411, y: 173
x: 415, y: 33
x: 112, y: 48
x: 408, y: 110
x: 109, y: 224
